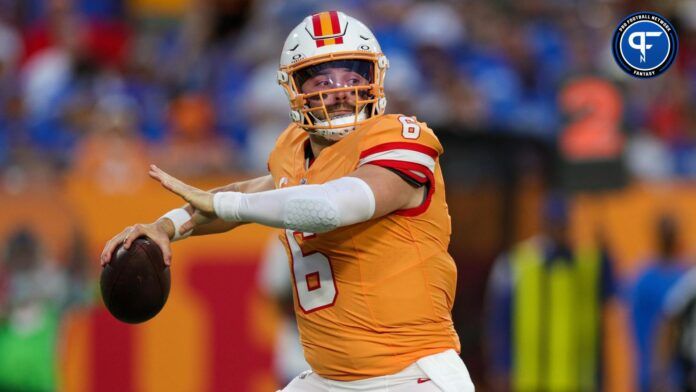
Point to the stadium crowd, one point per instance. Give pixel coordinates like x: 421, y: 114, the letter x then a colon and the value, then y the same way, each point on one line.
x: 197, y: 78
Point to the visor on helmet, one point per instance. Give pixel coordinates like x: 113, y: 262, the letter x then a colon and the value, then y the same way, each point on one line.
x: 361, y: 67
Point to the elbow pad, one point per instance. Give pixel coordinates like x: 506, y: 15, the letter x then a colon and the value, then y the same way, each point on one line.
x: 337, y: 203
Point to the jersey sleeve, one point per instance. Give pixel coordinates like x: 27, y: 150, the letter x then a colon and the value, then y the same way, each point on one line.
x: 402, y: 144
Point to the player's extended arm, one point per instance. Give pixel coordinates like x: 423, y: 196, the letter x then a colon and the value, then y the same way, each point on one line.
x: 203, y: 224
x: 367, y: 193
x: 161, y: 231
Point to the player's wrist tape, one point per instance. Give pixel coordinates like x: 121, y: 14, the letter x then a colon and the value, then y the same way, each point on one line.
x: 178, y: 216
x: 307, y: 208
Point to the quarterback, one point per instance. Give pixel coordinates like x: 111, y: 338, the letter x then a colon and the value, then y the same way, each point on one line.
x: 359, y: 197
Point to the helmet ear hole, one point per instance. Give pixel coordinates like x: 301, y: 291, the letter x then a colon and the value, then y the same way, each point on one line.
x: 295, y: 116
x: 382, y: 62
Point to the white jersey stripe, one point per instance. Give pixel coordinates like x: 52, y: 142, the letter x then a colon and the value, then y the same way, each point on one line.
x: 401, y: 155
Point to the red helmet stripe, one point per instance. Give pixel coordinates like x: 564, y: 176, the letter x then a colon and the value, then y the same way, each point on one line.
x: 325, y: 25
x: 335, y: 27
x: 316, y: 23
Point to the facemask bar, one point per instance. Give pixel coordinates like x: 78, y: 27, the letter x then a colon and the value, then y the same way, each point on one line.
x: 312, y: 119
x: 370, y: 107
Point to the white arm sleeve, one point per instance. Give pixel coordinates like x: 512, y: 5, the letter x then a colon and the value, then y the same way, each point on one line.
x: 307, y: 208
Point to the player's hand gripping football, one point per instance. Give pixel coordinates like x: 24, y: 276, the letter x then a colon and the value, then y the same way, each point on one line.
x: 159, y: 232
x: 199, y: 199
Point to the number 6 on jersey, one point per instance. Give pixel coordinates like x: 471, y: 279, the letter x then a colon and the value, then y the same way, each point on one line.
x: 410, y: 128
x: 313, y: 277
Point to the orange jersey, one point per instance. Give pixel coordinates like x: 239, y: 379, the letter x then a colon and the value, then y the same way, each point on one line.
x: 373, y: 297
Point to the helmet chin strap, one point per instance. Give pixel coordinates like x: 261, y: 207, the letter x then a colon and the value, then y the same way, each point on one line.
x: 338, y: 133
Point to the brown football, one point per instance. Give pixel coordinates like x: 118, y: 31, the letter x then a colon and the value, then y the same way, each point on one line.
x: 135, y: 284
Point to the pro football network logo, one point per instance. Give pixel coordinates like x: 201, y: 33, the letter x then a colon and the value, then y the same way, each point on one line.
x: 645, y: 44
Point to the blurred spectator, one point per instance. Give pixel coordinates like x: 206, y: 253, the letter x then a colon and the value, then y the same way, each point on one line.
x: 192, y: 148
x: 13, y: 131
x: 647, y: 294
x: 544, y: 318
x: 668, y: 117
x: 10, y: 50
x: 433, y: 24
x: 648, y: 158
x: 268, y: 110
x: 29, y: 316
x: 676, y: 342
x: 112, y: 155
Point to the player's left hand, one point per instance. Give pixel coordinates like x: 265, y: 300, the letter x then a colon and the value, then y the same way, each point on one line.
x: 199, y: 199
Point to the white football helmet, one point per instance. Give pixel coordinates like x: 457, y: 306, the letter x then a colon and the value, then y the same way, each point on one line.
x: 326, y: 40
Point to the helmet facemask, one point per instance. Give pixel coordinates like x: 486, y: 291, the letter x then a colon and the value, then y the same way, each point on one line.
x: 332, y: 95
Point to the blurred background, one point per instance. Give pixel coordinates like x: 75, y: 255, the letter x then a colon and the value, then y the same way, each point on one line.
x: 544, y: 136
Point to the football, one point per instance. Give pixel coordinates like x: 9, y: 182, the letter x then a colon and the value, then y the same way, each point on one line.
x: 135, y: 284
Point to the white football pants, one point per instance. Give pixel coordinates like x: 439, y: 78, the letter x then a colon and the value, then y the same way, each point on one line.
x: 443, y: 372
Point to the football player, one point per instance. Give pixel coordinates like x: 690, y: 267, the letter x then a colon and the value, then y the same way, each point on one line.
x: 360, y: 199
